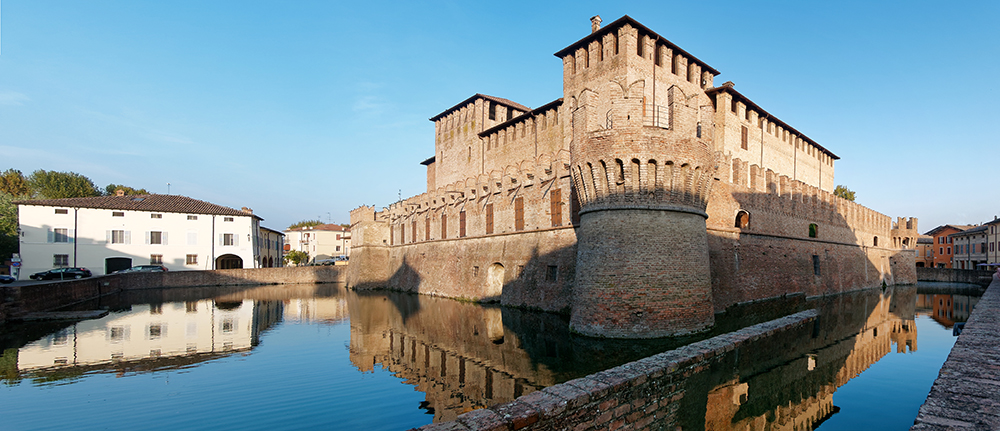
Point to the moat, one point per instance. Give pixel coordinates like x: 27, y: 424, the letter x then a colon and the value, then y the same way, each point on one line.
x: 302, y: 356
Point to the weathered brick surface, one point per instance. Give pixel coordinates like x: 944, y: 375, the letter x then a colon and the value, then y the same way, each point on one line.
x: 631, y: 396
x: 966, y: 394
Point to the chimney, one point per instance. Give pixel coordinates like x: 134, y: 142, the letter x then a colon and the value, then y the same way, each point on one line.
x: 119, y: 192
x: 595, y: 23
x: 247, y: 210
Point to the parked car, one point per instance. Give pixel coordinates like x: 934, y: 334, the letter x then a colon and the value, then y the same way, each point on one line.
x: 144, y: 268
x: 61, y: 274
x: 6, y: 279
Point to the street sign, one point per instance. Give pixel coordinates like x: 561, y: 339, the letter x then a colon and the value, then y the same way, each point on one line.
x: 15, y: 264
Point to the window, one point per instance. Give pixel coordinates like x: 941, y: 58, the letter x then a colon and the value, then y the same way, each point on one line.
x: 493, y: 110
x: 949, y: 250
x: 338, y: 248
x: 875, y: 241
x: 118, y: 237
x: 744, y: 139
x: 555, y: 206
x: 155, y: 259
x: 117, y: 214
x: 742, y: 219
x: 60, y: 235
x: 444, y: 226
x: 225, y: 219
x: 816, y: 265
x: 228, y: 239
x: 338, y: 237
x: 489, y: 219
x: 427, y: 228
x: 413, y: 234
x: 59, y: 260
x: 402, y: 234
x: 813, y: 230
x: 461, y: 224
x: 552, y: 273
x: 192, y: 217
x: 155, y: 331
x: 62, y: 211
x: 157, y: 237
x: 191, y: 259
x: 941, y: 250
x: 154, y: 215
x: 519, y: 213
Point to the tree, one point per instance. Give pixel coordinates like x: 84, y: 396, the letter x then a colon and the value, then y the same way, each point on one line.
x: 844, y: 192
x: 8, y: 226
x: 111, y: 189
x: 296, y: 257
x: 305, y: 223
x: 12, y: 182
x: 57, y: 185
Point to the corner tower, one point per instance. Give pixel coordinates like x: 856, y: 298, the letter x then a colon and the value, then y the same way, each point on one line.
x: 642, y: 161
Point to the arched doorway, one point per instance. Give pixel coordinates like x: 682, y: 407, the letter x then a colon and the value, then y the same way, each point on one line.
x: 229, y: 261
x: 494, y: 282
x: 113, y: 264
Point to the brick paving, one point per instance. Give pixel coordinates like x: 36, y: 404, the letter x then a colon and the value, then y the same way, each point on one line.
x: 966, y: 394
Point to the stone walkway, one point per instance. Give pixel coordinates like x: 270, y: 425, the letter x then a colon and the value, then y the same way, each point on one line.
x: 966, y: 394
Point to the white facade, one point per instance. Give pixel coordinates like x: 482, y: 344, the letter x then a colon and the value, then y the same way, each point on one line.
x: 103, y: 239
x: 321, y: 242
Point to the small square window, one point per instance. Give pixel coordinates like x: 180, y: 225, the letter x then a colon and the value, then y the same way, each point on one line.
x: 156, y: 216
x: 192, y: 217
x: 227, y: 219
x: 552, y: 273
x: 155, y: 259
x: 62, y: 211
x: 59, y: 260
x: 117, y: 214
x: 192, y: 259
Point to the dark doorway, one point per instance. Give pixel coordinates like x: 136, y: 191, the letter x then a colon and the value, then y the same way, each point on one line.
x: 229, y: 261
x: 113, y: 264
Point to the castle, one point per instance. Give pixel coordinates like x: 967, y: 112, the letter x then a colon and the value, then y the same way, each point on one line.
x: 642, y: 202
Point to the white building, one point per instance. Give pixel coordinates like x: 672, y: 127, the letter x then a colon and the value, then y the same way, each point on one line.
x: 109, y: 233
x: 321, y: 242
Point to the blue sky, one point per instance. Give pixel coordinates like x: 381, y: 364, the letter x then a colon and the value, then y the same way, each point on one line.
x: 305, y: 110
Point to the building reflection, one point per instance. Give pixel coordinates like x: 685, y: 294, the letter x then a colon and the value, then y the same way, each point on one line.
x: 946, y: 309
x: 151, y: 336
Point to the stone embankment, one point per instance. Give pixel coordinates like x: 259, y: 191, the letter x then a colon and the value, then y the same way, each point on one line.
x: 18, y: 301
x: 638, y: 394
x: 951, y: 275
x: 966, y: 394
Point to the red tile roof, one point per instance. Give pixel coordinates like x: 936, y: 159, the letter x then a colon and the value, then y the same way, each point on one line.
x: 328, y: 227
x: 151, y: 203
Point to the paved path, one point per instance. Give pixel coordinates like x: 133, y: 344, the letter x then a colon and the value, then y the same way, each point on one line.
x: 966, y: 394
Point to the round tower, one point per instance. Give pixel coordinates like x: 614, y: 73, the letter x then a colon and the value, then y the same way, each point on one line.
x: 642, y: 168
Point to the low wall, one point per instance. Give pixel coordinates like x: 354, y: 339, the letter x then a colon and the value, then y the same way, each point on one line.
x: 951, y: 275
x: 964, y: 396
x: 18, y: 300
x: 635, y: 394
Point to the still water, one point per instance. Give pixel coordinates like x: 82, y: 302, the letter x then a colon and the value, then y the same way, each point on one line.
x: 305, y: 356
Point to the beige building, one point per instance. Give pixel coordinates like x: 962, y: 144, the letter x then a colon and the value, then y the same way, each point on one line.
x: 969, y: 247
x: 270, y: 248
x: 322, y: 242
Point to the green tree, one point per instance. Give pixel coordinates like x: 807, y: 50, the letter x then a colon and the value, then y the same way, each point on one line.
x: 296, y: 257
x: 111, y: 189
x: 844, y: 192
x: 8, y: 226
x: 305, y: 223
x: 57, y: 185
x: 12, y: 182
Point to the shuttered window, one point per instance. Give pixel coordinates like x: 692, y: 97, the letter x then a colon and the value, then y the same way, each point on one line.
x: 555, y: 206
x: 461, y: 224
x: 444, y: 226
x: 519, y: 213
x: 744, y: 142
x: 489, y: 219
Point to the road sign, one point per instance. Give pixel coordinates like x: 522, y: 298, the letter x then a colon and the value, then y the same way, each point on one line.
x: 15, y: 264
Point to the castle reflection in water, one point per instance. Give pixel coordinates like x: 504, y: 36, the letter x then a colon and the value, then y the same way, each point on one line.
x: 466, y: 356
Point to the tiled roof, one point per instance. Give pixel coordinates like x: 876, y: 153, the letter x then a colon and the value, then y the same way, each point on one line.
x: 151, y: 203
x: 958, y: 227
x: 327, y: 227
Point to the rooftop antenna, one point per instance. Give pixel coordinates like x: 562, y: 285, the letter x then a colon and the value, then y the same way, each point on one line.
x: 400, y: 194
x: 168, y: 188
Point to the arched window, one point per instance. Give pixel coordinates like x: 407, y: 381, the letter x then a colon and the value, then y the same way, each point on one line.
x: 813, y: 230
x: 875, y: 241
x: 742, y: 219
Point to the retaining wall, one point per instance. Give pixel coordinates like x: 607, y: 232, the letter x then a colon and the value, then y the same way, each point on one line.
x: 951, y: 275
x: 638, y: 394
x: 965, y: 394
x: 18, y: 300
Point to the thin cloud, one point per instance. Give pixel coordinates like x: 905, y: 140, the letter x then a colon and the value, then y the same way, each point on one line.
x: 11, y: 98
